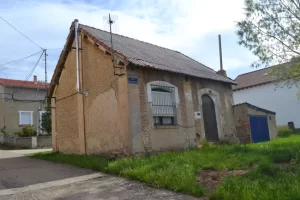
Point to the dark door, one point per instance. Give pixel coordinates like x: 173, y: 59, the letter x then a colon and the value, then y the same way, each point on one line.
x: 209, y: 118
x: 259, y: 128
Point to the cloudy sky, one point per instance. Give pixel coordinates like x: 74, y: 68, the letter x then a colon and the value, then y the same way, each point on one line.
x: 190, y: 26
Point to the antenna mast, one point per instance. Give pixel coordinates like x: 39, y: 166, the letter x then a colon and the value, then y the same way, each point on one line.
x: 120, y: 73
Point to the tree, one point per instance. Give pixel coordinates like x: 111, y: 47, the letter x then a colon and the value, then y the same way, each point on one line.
x: 46, y: 120
x: 271, y: 30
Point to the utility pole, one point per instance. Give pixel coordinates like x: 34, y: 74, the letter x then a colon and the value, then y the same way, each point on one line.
x: 45, y: 51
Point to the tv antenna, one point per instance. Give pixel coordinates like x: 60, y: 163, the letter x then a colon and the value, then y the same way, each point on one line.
x: 112, y: 20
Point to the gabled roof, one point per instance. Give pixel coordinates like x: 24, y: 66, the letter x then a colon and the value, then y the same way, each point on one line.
x: 21, y: 83
x: 252, y: 79
x: 141, y: 54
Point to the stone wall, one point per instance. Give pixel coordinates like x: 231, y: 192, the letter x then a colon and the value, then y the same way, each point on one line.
x: 188, y: 132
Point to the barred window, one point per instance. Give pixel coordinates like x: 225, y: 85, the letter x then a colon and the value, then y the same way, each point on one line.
x: 163, y: 104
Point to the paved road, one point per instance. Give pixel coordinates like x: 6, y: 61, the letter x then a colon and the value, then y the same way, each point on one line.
x: 27, y: 178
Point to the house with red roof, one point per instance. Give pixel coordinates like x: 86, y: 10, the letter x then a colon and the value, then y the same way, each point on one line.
x: 21, y: 104
x: 262, y: 90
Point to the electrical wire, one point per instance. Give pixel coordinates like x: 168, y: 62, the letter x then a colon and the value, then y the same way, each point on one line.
x: 18, y: 60
x: 20, y: 32
x: 36, y: 64
x: 66, y: 97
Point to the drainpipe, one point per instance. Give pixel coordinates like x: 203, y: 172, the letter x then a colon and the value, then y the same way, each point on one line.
x: 77, y: 55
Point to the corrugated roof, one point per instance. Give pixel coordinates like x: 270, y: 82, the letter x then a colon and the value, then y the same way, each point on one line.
x: 146, y: 54
x: 21, y: 83
x: 254, y: 78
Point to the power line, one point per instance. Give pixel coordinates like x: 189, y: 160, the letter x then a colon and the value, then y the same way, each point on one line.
x: 21, y: 33
x: 20, y: 59
x: 36, y: 64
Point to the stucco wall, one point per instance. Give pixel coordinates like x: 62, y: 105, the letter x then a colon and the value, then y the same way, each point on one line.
x: 9, y: 115
x: 188, y: 132
x: 242, y: 112
x: 106, y: 105
x: 221, y: 95
x: 284, y: 101
x: 67, y: 134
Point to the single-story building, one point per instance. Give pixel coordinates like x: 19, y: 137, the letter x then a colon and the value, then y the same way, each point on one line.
x: 254, y: 124
x: 135, y: 97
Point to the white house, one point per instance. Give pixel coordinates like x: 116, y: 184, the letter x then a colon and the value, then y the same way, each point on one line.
x: 261, y: 90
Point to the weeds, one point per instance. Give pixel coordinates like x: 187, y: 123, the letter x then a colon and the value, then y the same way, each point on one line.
x: 178, y: 171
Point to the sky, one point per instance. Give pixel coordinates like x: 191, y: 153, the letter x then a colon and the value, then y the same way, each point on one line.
x: 190, y: 26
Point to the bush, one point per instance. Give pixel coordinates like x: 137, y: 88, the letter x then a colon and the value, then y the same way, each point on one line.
x: 3, y: 130
x: 284, y: 131
x: 26, y: 132
x: 46, y: 120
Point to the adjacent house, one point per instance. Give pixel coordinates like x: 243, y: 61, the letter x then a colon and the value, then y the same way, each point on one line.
x: 21, y: 104
x: 135, y: 97
x: 261, y: 90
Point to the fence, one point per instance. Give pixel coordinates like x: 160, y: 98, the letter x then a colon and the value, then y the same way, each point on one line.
x: 26, y: 142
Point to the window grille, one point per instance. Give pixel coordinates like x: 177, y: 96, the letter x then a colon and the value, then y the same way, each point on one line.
x: 163, y: 104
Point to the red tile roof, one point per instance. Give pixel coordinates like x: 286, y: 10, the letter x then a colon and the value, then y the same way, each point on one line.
x: 254, y: 78
x: 21, y: 83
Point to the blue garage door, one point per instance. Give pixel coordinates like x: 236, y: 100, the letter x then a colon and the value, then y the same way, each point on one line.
x: 259, y: 128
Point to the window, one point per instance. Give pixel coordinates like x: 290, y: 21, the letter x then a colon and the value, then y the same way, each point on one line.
x: 163, y: 104
x: 25, y: 118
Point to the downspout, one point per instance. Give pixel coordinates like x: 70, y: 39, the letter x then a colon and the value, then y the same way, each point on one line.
x: 77, y: 56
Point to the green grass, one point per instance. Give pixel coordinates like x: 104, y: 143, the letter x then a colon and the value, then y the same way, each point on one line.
x: 178, y: 170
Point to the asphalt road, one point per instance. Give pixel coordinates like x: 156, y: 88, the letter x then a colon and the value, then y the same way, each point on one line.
x: 27, y: 178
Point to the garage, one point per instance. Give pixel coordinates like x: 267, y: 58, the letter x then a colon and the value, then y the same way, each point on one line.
x: 254, y: 124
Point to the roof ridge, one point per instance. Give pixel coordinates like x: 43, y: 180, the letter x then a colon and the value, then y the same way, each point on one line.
x: 254, y: 71
x: 150, y: 44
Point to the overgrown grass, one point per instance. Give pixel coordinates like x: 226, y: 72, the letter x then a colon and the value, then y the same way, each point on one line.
x: 284, y: 131
x: 178, y: 170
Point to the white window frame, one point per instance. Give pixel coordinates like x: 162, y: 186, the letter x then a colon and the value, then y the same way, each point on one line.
x: 24, y: 111
x: 150, y: 100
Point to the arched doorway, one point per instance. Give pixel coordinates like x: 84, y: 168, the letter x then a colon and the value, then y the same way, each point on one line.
x: 209, y: 118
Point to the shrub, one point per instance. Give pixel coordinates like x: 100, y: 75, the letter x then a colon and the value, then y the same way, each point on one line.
x: 3, y: 130
x: 284, y: 131
x: 46, y: 121
x: 26, y: 132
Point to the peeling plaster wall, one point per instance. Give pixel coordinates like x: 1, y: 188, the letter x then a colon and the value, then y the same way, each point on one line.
x: 145, y: 136
x: 242, y: 123
x: 67, y: 134
x: 106, y: 105
x: 221, y: 94
x: 241, y: 114
x: 188, y: 132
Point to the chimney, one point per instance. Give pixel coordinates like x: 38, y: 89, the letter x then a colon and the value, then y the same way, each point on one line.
x: 35, y: 79
x: 221, y: 72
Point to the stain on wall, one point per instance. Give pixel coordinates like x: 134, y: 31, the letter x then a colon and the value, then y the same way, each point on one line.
x: 106, y: 105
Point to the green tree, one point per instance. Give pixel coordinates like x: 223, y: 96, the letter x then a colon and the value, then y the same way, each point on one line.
x: 46, y: 120
x: 271, y: 30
